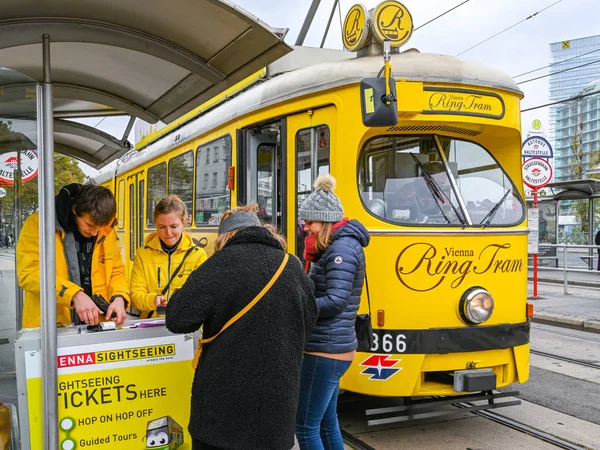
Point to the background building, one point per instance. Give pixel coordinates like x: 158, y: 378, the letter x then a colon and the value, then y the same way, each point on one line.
x: 575, y: 68
x: 577, y: 120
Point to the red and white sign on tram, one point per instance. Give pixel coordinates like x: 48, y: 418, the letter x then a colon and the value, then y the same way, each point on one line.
x: 8, y: 165
x: 537, y: 173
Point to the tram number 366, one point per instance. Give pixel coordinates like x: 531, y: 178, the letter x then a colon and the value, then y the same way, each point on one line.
x: 389, y: 343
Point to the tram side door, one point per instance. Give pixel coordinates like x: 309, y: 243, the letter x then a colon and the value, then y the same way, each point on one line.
x: 262, y: 177
x: 135, y: 213
x: 311, y: 139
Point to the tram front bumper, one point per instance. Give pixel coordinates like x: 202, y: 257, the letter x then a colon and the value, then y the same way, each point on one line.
x: 474, y: 380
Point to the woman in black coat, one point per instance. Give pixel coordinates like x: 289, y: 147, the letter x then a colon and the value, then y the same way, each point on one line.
x: 245, y: 390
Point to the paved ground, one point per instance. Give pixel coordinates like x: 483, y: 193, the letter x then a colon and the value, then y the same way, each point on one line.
x: 578, y: 308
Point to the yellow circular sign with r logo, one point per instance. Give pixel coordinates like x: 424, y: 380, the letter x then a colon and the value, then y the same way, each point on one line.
x: 536, y: 124
x: 355, y: 31
x: 392, y: 22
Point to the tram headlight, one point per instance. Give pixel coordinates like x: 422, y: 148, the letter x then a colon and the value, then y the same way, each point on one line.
x: 476, y: 305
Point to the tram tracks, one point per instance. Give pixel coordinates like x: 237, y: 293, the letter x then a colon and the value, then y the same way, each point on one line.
x: 524, y: 428
x: 354, y: 442
x: 566, y: 359
x: 357, y: 444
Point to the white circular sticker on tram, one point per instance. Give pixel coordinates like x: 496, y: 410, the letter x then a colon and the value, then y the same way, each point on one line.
x: 537, y: 172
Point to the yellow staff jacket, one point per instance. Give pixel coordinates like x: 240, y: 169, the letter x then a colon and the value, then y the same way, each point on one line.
x: 108, y: 272
x: 153, y: 267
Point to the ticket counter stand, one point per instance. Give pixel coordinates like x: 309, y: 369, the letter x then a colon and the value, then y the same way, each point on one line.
x: 127, y: 388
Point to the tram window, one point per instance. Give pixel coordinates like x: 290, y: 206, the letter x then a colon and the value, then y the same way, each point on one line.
x: 323, y: 139
x: 121, y: 205
x: 132, y: 243
x: 181, y: 174
x: 405, y: 180
x: 303, y: 165
x: 141, y: 213
x: 482, y: 183
x: 212, y: 199
x: 312, y: 144
x: 157, y: 189
x: 265, y: 191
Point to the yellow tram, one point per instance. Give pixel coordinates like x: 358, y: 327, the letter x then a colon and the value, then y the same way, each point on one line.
x: 439, y: 191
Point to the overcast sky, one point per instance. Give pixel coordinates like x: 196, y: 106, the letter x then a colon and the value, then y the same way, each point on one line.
x: 522, y: 48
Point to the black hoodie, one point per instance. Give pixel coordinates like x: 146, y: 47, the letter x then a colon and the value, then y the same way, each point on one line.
x: 63, y: 205
x: 65, y: 218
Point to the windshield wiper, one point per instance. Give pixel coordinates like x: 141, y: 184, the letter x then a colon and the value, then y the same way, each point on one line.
x: 438, y: 192
x: 488, y: 218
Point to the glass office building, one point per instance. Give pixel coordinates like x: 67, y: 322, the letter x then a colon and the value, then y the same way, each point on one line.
x: 575, y: 70
x: 578, y: 117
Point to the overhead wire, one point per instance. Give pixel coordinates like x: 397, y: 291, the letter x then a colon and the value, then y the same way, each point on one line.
x: 512, y: 26
x: 560, y: 71
x: 577, y: 97
x: 443, y: 14
x: 557, y: 63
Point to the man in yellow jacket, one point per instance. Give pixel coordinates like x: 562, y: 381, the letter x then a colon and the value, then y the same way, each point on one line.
x: 88, y: 259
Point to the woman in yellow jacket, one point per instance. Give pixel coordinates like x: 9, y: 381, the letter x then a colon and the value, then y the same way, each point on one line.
x: 163, y: 252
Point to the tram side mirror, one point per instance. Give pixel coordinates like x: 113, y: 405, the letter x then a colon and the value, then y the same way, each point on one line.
x: 375, y: 112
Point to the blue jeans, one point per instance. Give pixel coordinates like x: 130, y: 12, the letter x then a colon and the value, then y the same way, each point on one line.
x: 317, y: 426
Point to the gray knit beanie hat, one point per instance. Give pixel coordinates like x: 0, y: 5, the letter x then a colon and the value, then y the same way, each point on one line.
x: 237, y: 220
x: 322, y: 205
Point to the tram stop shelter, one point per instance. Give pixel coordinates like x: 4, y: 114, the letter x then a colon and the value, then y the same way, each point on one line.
x: 585, y: 189
x: 148, y: 59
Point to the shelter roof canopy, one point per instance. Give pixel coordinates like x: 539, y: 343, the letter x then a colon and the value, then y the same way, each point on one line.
x: 576, y: 189
x: 150, y: 59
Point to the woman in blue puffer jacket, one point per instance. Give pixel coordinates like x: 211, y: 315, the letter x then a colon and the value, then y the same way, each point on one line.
x: 334, y: 250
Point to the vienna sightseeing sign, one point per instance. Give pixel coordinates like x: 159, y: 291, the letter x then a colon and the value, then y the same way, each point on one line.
x: 537, y: 173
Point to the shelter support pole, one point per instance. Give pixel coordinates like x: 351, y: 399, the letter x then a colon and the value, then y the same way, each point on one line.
x: 48, y: 258
x: 591, y: 233
x: 535, y: 256
x: 565, y: 273
x: 18, y: 176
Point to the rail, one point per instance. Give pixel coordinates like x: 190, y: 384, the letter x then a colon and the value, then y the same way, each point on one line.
x: 569, y: 258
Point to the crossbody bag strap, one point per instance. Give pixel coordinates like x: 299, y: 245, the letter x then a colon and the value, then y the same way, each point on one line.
x: 368, y: 296
x: 176, y: 271
x: 252, y: 303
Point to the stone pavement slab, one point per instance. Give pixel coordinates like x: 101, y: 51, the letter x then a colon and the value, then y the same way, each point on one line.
x: 579, y: 309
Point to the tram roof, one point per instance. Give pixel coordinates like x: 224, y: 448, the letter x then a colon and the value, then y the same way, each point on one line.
x: 410, y: 65
x: 149, y: 59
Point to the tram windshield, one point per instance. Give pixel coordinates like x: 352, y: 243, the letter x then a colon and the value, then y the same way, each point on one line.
x: 433, y: 180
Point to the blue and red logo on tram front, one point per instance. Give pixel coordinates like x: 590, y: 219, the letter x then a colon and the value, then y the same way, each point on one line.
x: 380, y: 367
